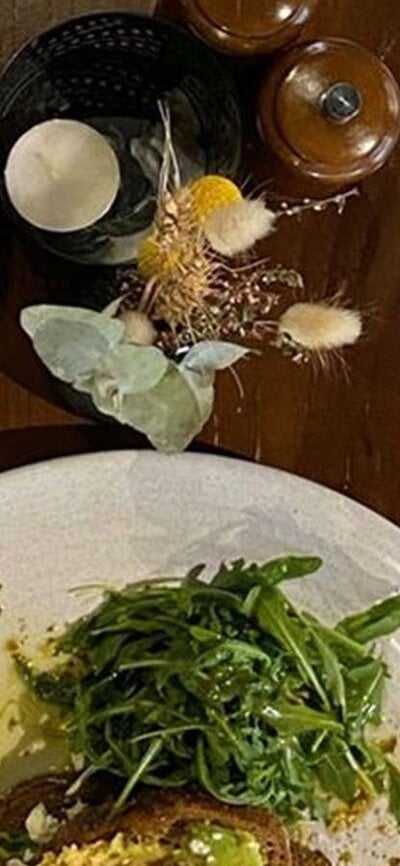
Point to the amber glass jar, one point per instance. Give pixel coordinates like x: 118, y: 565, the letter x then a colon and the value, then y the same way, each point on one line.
x: 330, y: 112
x: 248, y: 27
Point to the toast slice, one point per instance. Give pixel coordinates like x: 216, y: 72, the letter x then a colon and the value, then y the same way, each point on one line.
x: 158, y: 815
x: 155, y: 815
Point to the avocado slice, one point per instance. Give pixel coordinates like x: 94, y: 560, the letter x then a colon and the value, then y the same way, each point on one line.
x: 212, y: 845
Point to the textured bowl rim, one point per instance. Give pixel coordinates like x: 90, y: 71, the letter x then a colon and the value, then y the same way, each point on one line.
x: 210, y: 61
x: 174, y: 27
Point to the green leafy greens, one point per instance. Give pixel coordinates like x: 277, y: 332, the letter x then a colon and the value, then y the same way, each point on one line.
x: 227, y: 685
x: 14, y: 845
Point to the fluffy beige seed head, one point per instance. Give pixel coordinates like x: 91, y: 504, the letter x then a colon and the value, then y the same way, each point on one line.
x: 319, y: 327
x: 235, y: 228
x: 139, y: 330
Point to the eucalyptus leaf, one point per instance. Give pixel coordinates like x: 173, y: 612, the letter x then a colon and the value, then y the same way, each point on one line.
x: 133, y: 369
x: 202, y: 387
x: 170, y: 414
x: 126, y: 371
x: 39, y: 314
x: 136, y: 385
x: 212, y: 355
x: 70, y: 341
x: 103, y: 392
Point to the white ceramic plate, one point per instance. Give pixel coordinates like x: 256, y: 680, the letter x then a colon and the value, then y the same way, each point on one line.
x: 115, y: 517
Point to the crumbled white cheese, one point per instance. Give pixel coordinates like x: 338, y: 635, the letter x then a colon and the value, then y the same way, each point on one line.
x: 40, y: 826
x: 197, y: 846
x: 253, y: 844
x: 75, y: 810
x: 78, y: 762
x: 14, y: 861
x: 35, y: 747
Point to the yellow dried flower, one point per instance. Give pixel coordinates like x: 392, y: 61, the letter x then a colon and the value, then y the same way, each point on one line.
x: 156, y: 260
x: 148, y: 257
x: 174, y: 262
x: 206, y: 195
x: 211, y: 192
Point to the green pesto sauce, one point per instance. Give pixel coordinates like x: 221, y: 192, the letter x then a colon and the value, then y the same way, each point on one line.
x: 211, y: 845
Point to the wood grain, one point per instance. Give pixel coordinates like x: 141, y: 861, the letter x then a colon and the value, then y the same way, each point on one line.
x: 20, y: 408
x: 336, y: 429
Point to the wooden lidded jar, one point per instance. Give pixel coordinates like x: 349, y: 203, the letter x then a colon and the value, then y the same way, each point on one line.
x: 330, y: 112
x: 248, y: 27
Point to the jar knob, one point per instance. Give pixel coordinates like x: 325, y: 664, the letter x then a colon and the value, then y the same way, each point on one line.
x: 341, y: 102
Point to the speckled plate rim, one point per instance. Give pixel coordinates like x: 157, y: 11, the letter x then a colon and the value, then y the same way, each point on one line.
x: 210, y: 505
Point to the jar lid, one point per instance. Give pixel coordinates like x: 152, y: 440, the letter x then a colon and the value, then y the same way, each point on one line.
x: 245, y: 25
x: 332, y: 110
x: 248, y: 19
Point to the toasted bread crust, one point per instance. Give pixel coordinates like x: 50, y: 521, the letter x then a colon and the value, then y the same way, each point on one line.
x: 158, y: 813
x: 155, y: 814
x: 15, y: 805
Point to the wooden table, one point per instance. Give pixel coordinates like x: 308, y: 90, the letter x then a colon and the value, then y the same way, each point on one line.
x: 342, y: 433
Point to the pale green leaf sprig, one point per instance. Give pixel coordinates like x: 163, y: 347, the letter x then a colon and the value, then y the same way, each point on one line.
x: 137, y: 385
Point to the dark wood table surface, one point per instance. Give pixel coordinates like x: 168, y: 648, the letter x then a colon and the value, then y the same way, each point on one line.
x: 343, y: 432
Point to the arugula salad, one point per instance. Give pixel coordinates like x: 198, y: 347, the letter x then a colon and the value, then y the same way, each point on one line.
x: 228, y: 686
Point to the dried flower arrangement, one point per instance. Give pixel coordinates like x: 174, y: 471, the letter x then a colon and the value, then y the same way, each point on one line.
x: 197, y: 302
